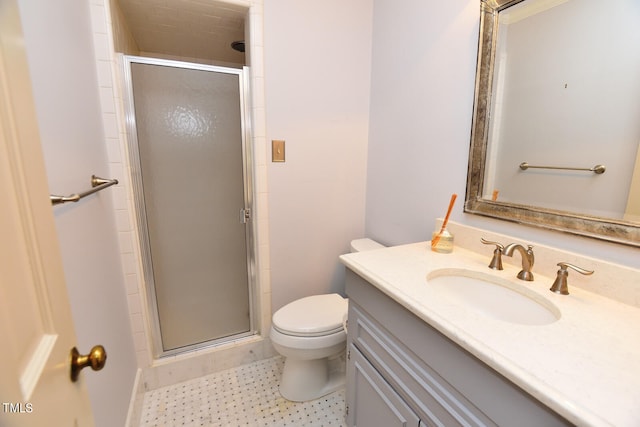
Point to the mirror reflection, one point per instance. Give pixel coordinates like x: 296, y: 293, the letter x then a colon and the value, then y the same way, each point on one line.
x: 558, y: 89
x: 567, y: 94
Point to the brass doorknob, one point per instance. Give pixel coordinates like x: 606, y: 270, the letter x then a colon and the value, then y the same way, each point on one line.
x: 97, y: 358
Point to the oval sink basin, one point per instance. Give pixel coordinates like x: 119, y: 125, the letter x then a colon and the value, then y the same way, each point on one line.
x: 493, y: 296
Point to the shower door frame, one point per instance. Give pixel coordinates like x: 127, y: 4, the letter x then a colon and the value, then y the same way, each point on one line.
x: 153, y: 318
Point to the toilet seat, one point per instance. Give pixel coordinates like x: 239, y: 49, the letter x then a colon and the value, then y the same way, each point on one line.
x: 313, y: 316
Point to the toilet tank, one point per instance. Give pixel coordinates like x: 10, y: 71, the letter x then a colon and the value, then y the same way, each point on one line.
x: 361, y: 245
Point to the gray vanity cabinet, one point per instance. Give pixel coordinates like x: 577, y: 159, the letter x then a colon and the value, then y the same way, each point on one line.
x: 383, y: 406
x: 402, y: 372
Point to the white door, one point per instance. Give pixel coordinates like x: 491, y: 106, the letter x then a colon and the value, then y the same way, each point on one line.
x: 36, y: 329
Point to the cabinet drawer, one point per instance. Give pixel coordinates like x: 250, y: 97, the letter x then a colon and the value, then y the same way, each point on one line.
x: 374, y: 401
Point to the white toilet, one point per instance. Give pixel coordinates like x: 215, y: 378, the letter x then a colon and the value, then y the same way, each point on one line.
x: 308, y: 332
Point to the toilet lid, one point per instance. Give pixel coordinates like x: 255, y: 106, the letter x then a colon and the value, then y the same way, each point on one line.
x: 312, y: 316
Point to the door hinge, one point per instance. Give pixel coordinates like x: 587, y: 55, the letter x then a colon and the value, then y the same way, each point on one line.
x: 245, y: 215
x: 348, y: 354
x: 346, y: 410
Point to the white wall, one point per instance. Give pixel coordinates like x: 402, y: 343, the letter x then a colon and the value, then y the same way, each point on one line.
x: 317, y: 62
x: 61, y: 56
x: 421, y: 104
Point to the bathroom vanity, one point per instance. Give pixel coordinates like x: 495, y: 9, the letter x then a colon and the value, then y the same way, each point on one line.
x: 402, y: 370
x: 419, y: 356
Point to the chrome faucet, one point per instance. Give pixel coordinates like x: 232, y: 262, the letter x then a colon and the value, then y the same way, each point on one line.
x: 527, y: 260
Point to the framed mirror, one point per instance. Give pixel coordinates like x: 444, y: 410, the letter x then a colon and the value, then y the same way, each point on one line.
x: 556, y: 121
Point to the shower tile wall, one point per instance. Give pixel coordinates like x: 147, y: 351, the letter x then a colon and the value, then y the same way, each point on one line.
x: 115, y: 141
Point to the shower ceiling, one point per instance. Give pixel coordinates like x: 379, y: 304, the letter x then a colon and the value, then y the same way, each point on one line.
x: 201, y: 29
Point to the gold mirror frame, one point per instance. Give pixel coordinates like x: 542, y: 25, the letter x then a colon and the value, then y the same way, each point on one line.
x: 611, y: 230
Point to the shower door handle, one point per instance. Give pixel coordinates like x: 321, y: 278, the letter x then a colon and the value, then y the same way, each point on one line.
x: 245, y: 215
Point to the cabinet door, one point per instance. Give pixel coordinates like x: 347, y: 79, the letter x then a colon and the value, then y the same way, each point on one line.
x: 370, y: 399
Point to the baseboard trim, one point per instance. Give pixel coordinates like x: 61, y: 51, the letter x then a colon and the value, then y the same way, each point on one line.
x: 135, y: 403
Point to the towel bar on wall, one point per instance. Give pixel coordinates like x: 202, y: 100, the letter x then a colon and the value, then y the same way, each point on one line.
x: 597, y: 169
x: 97, y: 184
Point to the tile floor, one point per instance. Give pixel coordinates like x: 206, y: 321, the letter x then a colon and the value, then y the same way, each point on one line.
x: 243, y: 396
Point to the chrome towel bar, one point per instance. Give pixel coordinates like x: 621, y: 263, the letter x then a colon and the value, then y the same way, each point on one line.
x: 97, y: 184
x: 597, y: 169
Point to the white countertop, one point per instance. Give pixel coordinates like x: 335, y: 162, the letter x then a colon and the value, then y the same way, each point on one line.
x: 585, y: 366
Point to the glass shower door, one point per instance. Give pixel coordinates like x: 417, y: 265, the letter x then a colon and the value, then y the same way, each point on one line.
x: 191, y: 190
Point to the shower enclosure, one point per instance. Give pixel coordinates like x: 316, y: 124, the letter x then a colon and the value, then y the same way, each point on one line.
x: 191, y: 166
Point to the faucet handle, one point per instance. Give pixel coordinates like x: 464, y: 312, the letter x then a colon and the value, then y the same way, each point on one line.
x: 496, y: 261
x: 560, y: 284
x: 489, y: 242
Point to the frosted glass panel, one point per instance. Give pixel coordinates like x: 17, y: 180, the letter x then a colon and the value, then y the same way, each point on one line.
x: 190, y: 147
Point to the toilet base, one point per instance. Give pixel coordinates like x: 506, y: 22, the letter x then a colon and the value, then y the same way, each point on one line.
x: 304, y: 380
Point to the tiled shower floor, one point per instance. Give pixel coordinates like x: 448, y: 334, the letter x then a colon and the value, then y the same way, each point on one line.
x: 243, y: 396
